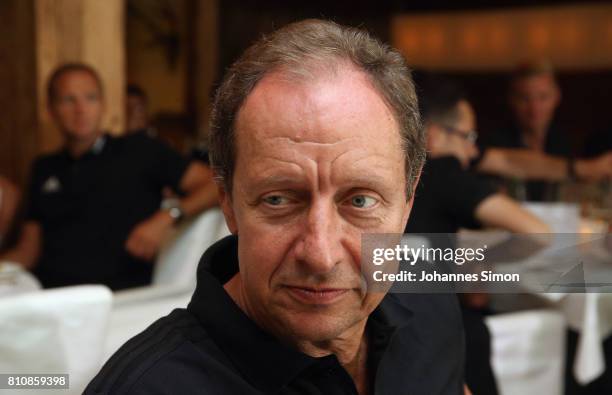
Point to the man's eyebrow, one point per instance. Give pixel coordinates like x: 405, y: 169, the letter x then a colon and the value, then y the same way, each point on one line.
x: 367, y: 179
x: 275, y: 180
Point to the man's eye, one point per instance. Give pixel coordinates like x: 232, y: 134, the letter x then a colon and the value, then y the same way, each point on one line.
x: 363, y: 201
x: 275, y: 200
x: 66, y: 99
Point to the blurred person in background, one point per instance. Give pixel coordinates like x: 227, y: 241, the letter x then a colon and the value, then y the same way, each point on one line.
x: 535, y: 146
x: 450, y: 122
x: 9, y: 203
x: 450, y: 197
x: 93, y: 208
x: 137, y: 111
x: 534, y: 98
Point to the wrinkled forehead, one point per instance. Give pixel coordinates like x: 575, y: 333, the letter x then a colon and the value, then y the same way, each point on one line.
x: 337, y: 109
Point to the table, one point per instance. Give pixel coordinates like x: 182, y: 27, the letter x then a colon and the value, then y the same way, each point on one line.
x: 588, y: 313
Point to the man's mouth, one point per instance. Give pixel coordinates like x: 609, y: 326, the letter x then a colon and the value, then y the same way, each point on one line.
x: 316, y: 295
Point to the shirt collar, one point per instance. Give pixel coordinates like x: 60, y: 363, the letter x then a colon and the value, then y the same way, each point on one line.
x: 98, y: 145
x: 261, y: 358
x: 96, y: 149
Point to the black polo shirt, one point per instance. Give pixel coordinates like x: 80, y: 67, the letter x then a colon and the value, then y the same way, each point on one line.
x: 446, y: 197
x: 598, y: 144
x: 87, y: 207
x: 445, y: 200
x: 212, y: 347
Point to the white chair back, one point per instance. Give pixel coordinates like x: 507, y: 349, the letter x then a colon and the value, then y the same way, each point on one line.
x: 130, y: 318
x: 55, y: 331
x: 178, y: 260
x: 528, y: 351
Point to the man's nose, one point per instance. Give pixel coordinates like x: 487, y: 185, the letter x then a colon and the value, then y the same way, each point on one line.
x: 79, y: 106
x: 320, y: 247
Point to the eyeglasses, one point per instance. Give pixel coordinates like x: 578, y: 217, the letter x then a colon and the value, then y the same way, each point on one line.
x: 468, y: 135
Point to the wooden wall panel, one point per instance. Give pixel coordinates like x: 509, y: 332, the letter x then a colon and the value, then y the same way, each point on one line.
x: 573, y: 37
x: 205, y: 50
x: 18, y: 121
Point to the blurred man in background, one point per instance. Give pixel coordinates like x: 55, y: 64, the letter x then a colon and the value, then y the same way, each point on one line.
x: 450, y: 197
x: 93, y: 208
x: 450, y: 122
x: 534, y: 146
x: 137, y: 111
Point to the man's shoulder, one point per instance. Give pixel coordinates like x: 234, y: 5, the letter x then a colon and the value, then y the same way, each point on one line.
x: 444, y: 162
x: 438, y: 172
x: 438, y: 308
x: 140, y: 140
x: 167, y: 351
x: 433, y: 338
x: 46, y: 165
x: 46, y: 161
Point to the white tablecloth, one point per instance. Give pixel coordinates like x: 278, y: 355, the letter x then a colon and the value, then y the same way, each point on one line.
x: 589, y: 314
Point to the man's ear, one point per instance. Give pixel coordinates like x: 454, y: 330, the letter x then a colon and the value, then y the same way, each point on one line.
x: 226, y: 206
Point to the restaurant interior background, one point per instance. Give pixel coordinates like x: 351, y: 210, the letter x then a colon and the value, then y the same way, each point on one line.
x: 177, y: 50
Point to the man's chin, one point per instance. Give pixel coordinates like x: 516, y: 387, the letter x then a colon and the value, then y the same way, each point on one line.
x: 313, y: 326
x: 82, y: 134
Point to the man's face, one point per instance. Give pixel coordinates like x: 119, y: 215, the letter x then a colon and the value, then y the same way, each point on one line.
x: 318, y: 164
x: 534, y: 100
x: 454, y: 139
x: 136, y: 112
x: 466, y: 124
x: 77, y: 107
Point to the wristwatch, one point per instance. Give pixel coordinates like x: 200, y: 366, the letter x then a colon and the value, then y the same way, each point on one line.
x: 173, y: 207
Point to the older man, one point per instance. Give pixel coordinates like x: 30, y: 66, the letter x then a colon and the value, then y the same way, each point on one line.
x: 316, y: 139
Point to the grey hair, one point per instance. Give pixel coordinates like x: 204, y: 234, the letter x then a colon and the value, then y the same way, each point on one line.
x: 301, y: 50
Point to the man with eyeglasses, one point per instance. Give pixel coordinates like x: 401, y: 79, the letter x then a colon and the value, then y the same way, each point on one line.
x: 449, y: 197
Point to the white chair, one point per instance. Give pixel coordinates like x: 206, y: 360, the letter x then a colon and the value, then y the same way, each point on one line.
x: 178, y: 260
x: 55, y: 331
x: 174, y: 280
x: 528, y: 351
x: 129, y: 319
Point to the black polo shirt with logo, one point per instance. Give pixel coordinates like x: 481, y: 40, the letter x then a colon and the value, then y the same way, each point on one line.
x: 87, y: 207
x: 212, y: 347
